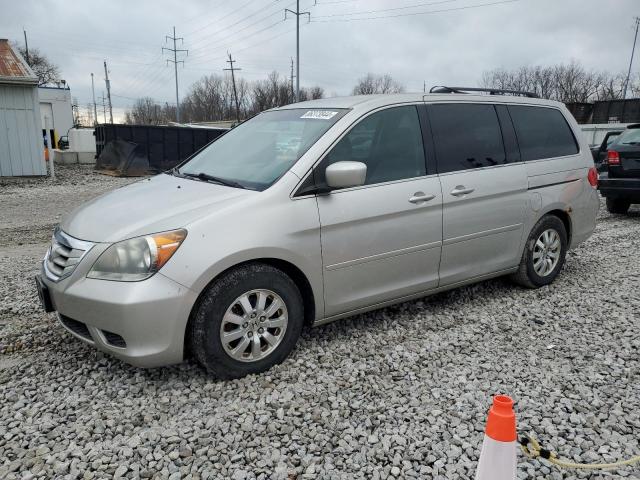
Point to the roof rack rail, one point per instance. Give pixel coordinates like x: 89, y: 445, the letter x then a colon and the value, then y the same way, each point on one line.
x: 490, y: 91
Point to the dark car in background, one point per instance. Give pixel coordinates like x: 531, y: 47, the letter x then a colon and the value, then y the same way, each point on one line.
x: 620, y: 184
x: 599, y: 152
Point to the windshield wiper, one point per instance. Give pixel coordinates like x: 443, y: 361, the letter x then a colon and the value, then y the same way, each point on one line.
x: 205, y: 177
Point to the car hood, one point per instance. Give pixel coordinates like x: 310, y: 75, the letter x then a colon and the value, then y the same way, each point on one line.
x: 156, y: 204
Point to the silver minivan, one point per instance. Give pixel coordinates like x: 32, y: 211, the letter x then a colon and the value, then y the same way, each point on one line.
x: 316, y: 211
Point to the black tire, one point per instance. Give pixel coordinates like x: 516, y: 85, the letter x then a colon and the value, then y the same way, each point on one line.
x: 526, y: 275
x: 618, y: 206
x: 204, y: 336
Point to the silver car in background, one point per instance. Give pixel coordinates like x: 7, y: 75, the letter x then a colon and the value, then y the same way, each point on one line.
x: 316, y: 211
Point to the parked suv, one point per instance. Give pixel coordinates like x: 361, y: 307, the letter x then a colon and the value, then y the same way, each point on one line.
x: 621, y: 183
x: 385, y: 198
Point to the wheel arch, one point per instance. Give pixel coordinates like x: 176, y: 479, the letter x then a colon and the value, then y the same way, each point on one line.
x: 565, y: 217
x: 293, y: 271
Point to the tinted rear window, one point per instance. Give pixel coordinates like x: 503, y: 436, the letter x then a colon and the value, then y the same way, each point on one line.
x: 466, y: 136
x: 542, y: 132
x: 630, y: 136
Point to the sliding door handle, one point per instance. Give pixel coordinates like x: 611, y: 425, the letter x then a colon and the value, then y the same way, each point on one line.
x: 461, y: 190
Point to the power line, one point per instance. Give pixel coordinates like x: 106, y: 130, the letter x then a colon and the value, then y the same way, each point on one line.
x: 467, y: 7
x: 219, y: 19
x: 633, y: 51
x: 175, y: 62
x: 232, y: 43
x: 69, y: 39
x: 207, y: 48
x: 406, y: 7
x: 217, y: 32
x: 336, y: 2
x: 149, y: 70
x: 135, y: 99
x: 197, y: 17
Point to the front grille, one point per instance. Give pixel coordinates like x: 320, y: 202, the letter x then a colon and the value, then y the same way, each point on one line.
x: 64, y: 255
x: 76, y: 327
x: 114, y: 339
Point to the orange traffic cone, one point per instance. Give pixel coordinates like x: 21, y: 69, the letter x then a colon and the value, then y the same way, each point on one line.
x: 498, y: 456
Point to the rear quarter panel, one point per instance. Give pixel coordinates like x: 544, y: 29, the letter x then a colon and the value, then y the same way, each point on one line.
x: 562, y: 184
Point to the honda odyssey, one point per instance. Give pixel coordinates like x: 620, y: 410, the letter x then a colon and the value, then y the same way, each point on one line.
x: 319, y: 210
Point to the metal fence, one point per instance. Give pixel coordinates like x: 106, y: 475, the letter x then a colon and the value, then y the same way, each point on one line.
x: 616, y: 111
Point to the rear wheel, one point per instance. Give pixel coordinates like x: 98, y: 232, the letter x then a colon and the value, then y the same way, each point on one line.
x: 617, y: 205
x: 248, y: 320
x: 544, y: 253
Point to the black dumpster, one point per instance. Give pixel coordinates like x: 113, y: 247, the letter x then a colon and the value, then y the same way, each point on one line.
x: 143, y: 149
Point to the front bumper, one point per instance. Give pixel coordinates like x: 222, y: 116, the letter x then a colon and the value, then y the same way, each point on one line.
x: 142, y: 323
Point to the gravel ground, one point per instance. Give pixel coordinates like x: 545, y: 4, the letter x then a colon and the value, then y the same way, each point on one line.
x: 398, y: 393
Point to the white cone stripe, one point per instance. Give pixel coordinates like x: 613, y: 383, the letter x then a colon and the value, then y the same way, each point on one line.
x: 497, y: 460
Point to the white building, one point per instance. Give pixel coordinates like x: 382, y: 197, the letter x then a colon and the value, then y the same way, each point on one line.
x: 56, y: 114
x: 21, y: 142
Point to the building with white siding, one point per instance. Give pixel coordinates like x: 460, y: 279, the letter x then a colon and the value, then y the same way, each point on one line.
x: 21, y: 140
x: 56, y: 114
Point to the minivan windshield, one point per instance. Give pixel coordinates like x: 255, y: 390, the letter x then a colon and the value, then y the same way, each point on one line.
x: 631, y: 136
x: 259, y: 151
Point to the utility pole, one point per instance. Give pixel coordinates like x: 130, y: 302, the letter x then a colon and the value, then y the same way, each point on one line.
x: 424, y: 86
x: 297, y: 13
x: 26, y: 45
x: 104, y: 108
x: 232, y: 69
x: 95, y: 107
x: 175, y: 62
x: 633, y: 50
x: 108, y: 84
x: 292, y: 77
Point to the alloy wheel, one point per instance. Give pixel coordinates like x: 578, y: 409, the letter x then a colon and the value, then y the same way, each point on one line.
x: 546, y: 252
x: 254, y: 325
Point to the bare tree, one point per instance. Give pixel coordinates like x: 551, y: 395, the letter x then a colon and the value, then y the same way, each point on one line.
x: 211, y: 99
x: 312, y: 93
x: 563, y: 82
x: 370, y: 84
x: 46, y: 71
x: 147, y: 112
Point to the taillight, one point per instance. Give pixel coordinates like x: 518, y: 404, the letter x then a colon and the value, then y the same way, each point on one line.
x: 613, y: 157
x: 592, y: 176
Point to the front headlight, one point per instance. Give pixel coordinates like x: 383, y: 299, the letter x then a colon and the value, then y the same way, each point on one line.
x: 137, y: 258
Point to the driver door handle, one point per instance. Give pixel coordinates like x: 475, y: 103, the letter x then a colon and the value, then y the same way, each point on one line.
x: 420, y: 197
x: 461, y: 190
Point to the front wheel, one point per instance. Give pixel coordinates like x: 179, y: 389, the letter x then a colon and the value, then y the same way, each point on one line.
x: 618, y: 206
x: 247, y: 321
x: 544, y: 253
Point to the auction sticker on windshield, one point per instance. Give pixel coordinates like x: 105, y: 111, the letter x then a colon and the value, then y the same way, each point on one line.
x: 319, y: 114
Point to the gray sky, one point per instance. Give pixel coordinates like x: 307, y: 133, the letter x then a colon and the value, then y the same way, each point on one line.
x: 453, y: 44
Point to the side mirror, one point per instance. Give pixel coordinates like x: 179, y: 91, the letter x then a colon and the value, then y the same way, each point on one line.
x: 346, y: 174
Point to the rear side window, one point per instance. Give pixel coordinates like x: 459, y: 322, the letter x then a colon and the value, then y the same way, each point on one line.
x: 466, y: 136
x: 542, y: 132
